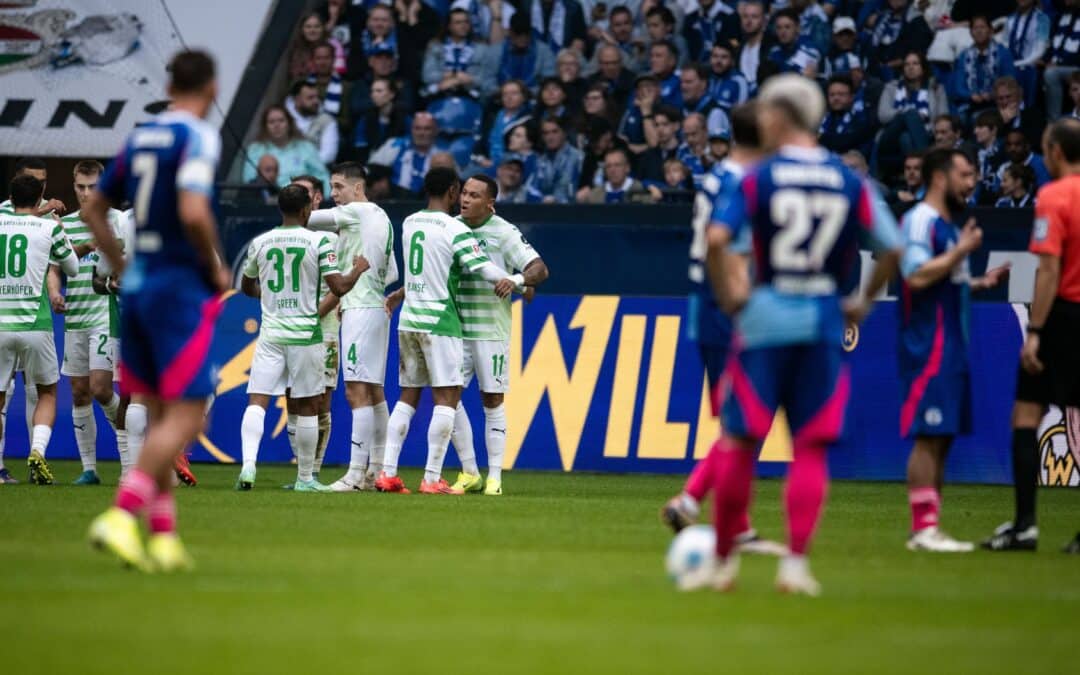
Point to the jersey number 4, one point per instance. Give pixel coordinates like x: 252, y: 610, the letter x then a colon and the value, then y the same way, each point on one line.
x: 799, y: 246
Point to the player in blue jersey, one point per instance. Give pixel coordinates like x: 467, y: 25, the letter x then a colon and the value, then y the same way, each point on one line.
x: 805, y: 213
x: 709, y: 327
x: 171, y: 297
x: 936, y: 401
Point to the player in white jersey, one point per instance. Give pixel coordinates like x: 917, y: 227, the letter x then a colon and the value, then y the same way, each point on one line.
x: 28, y: 166
x: 485, y: 325
x: 330, y: 322
x: 365, y: 230
x: 89, y: 345
x: 285, y: 267
x: 28, y: 245
x: 438, y: 250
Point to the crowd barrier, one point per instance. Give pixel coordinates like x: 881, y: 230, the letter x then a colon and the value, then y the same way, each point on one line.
x: 605, y: 381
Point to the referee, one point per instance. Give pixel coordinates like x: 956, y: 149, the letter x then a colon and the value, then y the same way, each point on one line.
x: 1049, y: 360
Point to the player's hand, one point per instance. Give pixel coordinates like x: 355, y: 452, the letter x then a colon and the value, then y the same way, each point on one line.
x: 54, y: 205
x: 528, y: 294
x: 505, y: 287
x: 58, y: 304
x: 970, y: 237
x: 996, y: 276
x: 855, y: 309
x: 392, y: 301
x: 360, y: 265
x: 1029, y: 355
x: 221, y: 279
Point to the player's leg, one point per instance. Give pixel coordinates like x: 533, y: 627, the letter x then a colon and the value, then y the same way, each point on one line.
x: 365, y: 334
x: 38, y: 357
x: 378, y: 451
x: 269, y: 377
x: 101, y: 359
x: 8, y: 358
x: 397, y: 428
x: 121, y: 432
x: 468, y: 480
x: 306, y: 386
x: 135, y: 421
x: 362, y: 437
x: 1022, y: 532
x: 330, y: 378
x: 76, y: 366
x: 443, y: 356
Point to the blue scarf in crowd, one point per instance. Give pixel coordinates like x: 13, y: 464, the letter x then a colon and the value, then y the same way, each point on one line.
x: 554, y: 31
x: 368, y: 42
x: 980, y: 69
x: 457, y: 57
x: 918, y: 101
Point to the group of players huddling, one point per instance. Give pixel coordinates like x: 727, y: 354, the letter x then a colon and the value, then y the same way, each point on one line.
x: 777, y: 232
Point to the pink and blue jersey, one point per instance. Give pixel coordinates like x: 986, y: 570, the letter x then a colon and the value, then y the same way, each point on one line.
x: 168, y: 302
x: 933, y: 344
x: 806, y: 214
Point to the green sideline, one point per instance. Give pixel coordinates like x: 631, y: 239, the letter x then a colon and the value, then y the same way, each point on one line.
x: 562, y: 575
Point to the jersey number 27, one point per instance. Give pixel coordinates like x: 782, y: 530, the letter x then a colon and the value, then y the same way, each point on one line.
x: 799, y: 246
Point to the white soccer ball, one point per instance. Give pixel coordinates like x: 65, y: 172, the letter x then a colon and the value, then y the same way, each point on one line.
x: 690, y: 550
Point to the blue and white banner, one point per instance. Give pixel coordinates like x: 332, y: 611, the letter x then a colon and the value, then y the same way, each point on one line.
x: 609, y: 383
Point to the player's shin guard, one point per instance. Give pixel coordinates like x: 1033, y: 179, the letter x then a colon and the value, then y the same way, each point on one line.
x: 307, y: 439
x: 39, y: 438
x: 251, y: 431
x: 701, y: 477
x: 495, y: 439
x: 85, y: 425
x: 324, y: 439
x: 462, y: 438
x: 925, y: 505
x: 135, y: 421
x: 804, y: 494
x: 439, y: 430
x: 732, y: 488
x: 363, y: 437
x: 397, y: 429
x: 378, y: 451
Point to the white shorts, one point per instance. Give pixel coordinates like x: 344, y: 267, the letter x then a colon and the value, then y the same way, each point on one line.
x: 426, y: 360
x: 330, y: 365
x: 32, y: 352
x: 487, y: 359
x: 365, y: 341
x: 275, y: 368
x: 86, y: 350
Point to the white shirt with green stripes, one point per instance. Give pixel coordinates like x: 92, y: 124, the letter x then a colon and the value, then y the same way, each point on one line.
x: 28, y: 245
x: 86, y: 310
x: 485, y: 316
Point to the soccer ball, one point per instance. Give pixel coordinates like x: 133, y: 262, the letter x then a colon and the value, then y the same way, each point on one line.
x: 690, y: 550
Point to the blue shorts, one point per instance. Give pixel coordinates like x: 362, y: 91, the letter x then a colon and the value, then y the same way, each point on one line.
x: 810, y: 381
x: 165, y: 335
x: 935, y: 405
x: 714, y: 357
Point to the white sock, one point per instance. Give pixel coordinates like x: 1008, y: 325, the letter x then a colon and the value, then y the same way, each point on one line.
x: 307, y: 438
x: 378, y: 450
x: 30, y: 394
x: 463, y: 440
x: 39, y: 438
x: 135, y: 421
x: 82, y: 419
x: 438, y: 440
x: 111, y: 408
x: 251, y: 431
x: 290, y: 431
x: 495, y: 438
x: 325, y: 427
x: 397, y: 428
x: 363, y: 437
x: 122, y: 450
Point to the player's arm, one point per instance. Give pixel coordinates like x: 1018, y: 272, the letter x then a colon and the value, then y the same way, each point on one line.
x: 921, y: 268
x: 468, y: 255
x: 394, y: 300
x: 323, y: 220
x: 62, y: 254
x: 200, y: 227
x: 727, y: 270
x: 249, y: 280
x: 328, y: 304
x: 340, y: 284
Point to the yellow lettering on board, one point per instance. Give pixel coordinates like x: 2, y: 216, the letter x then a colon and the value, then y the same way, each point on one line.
x: 778, y: 443
x: 235, y: 373
x: 570, y: 394
x: 625, y: 385
x: 708, y: 427
x: 659, y: 438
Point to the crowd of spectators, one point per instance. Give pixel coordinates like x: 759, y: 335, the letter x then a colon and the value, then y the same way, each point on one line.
x: 596, y: 101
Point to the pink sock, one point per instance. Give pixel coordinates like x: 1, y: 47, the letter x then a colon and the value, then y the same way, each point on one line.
x: 804, y: 494
x: 162, y: 513
x: 731, y: 494
x: 136, y: 490
x: 701, y: 478
x: 925, y: 507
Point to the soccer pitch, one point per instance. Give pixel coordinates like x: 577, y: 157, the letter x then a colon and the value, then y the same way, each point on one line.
x: 562, y: 575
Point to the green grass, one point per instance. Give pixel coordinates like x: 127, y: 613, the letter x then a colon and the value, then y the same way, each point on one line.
x: 562, y: 575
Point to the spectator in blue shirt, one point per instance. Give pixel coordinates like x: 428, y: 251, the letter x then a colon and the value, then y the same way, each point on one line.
x: 711, y: 23
x: 660, y: 27
x: 520, y: 142
x: 522, y: 57
x: 1063, y: 58
x: 515, y: 107
x: 663, y: 65
x: 490, y: 18
x: 845, y: 128
x: 553, y: 100
x: 557, y: 168
x: 844, y: 46
x: 409, y: 158
x: 977, y: 67
x: 1018, y: 152
x: 792, y: 53
x: 727, y: 85
x: 558, y: 23
x: 457, y: 64
x: 638, y: 123
x: 1027, y: 34
x: 813, y: 24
